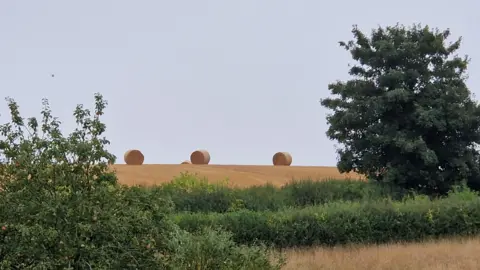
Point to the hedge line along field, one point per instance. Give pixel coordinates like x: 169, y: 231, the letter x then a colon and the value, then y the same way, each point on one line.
x: 343, y: 223
x: 239, y: 175
x: 190, y: 194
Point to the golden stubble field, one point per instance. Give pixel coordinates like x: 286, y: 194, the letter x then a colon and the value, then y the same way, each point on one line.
x: 453, y: 254
x: 239, y: 175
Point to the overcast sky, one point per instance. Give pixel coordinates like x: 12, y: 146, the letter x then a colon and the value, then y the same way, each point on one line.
x: 241, y: 79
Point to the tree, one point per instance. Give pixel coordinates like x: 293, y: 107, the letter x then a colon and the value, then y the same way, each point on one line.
x: 56, y: 212
x: 406, y: 117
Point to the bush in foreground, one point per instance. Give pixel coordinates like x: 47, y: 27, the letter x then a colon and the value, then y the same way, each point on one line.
x: 348, y: 222
x: 61, y: 208
x: 215, y: 249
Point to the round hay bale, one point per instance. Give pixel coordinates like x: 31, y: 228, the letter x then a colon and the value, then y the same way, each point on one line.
x: 200, y: 157
x: 282, y: 159
x: 133, y: 157
x: 186, y: 162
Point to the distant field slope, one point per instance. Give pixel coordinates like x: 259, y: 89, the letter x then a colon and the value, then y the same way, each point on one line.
x: 239, y: 175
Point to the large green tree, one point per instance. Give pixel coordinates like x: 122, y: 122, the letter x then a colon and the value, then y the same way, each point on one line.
x: 406, y: 116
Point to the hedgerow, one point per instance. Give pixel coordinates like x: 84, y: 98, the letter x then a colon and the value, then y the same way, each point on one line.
x: 191, y: 193
x: 341, y: 223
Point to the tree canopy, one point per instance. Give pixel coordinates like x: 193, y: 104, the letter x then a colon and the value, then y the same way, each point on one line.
x: 406, y: 116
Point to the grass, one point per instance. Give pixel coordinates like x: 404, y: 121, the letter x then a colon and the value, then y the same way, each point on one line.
x: 443, y: 254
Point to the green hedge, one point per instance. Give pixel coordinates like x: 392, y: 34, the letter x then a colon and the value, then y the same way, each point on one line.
x: 192, y: 194
x: 348, y: 222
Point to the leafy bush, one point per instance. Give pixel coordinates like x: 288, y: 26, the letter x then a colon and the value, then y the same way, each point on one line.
x: 61, y: 207
x: 348, y: 222
x: 215, y: 249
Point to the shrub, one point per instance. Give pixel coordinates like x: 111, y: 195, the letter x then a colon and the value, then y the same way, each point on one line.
x: 348, y: 222
x: 61, y: 207
x: 215, y: 249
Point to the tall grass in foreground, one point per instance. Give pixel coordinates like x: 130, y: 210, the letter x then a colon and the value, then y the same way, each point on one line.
x: 460, y: 253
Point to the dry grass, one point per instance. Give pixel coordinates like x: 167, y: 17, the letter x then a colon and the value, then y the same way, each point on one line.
x: 445, y: 254
x: 239, y: 175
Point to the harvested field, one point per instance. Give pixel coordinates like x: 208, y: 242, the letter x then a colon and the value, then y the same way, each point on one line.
x: 445, y: 254
x: 239, y: 175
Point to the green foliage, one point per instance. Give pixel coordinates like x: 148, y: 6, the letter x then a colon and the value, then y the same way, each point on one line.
x: 215, y: 249
x: 200, y: 196
x: 308, y: 192
x: 260, y: 198
x: 188, y: 182
x: 406, y: 117
x: 341, y: 223
x: 191, y: 193
x: 31, y: 150
x: 62, y: 208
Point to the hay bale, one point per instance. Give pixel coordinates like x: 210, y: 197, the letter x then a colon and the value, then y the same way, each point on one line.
x: 282, y: 159
x: 186, y: 162
x: 133, y: 157
x: 200, y: 157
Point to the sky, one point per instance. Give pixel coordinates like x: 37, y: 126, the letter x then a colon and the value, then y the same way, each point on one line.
x: 242, y: 79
